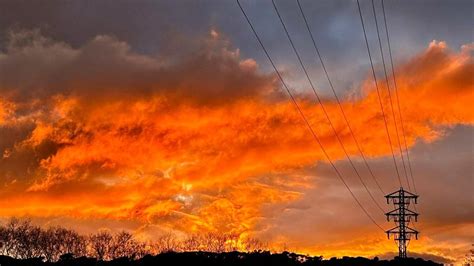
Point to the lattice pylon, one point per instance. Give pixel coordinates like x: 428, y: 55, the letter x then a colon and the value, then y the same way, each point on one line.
x: 402, y: 216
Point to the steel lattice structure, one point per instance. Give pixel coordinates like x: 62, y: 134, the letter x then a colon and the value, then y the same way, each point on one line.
x: 402, y: 216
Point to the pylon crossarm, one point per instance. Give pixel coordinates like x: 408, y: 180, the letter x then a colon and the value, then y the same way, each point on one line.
x: 394, y: 230
x: 393, y: 194
x: 390, y: 213
x: 407, y: 215
x: 410, y: 230
x: 407, y: 194
x: 410, y: 195
x: 410, y: 212
x: 391, y: 232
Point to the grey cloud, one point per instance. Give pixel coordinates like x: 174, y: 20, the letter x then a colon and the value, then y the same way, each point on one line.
x: 153, y: 26
x: 106, y: 68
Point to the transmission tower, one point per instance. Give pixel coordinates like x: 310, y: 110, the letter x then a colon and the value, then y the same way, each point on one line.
x: 402, y: 216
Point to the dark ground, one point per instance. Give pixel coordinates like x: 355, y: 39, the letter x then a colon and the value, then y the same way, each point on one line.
x: 214, y: 259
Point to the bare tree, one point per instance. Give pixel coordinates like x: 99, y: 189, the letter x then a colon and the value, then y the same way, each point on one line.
x: 57, y: 241
x: 8, y: 233
x: 73, y: 243
x: 138, y: 250
x: 50, y: 244
x: 192, y: 243
x: 5, y: 240
x: 232, y: 242
x: 123, y: 245
x: 251, y: 244
x: 166, y: 243
x: 28, y: 238
x: 21, y: 239
x: 100, y: 244
x: 215, y: 242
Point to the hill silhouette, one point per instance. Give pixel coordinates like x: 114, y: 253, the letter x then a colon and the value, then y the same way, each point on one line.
x: 217, y: 259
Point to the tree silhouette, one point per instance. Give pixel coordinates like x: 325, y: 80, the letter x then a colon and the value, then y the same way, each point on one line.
x: 100, y: 244
x: 24, y: 244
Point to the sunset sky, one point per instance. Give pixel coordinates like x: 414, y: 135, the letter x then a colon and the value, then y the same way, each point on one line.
x: 166, y: 116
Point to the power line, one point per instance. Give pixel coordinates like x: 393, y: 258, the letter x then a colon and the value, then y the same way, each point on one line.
x: 304, y: 117
x: 396, y: 94
x: 337, y: 99
x: 398, y: 101
x: 390, y: 95
x: 378, y: 93
x: 323, y: 108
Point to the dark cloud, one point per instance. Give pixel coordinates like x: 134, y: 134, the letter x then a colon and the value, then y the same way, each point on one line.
x: 37, y: 67
x: 167, y: 26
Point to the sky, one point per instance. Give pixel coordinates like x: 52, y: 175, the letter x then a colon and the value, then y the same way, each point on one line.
x: 166, y: 116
